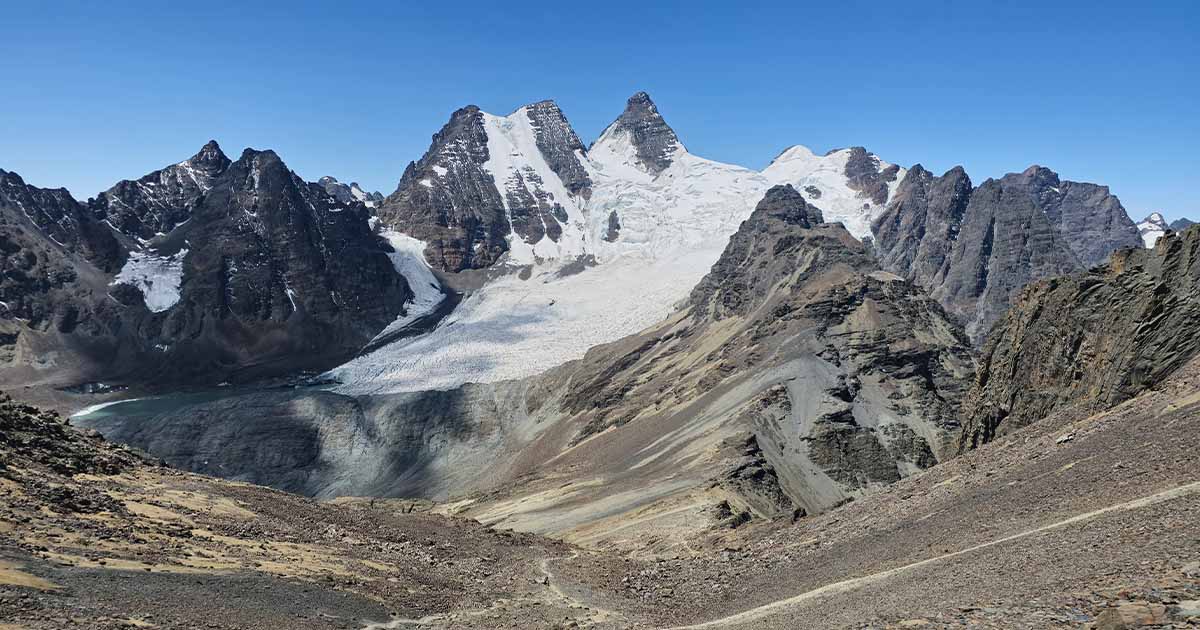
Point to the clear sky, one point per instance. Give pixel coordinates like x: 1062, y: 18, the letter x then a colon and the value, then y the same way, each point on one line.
x: 1099, y: 91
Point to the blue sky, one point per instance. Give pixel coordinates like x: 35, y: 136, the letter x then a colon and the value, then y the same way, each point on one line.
x: 1099, y: 91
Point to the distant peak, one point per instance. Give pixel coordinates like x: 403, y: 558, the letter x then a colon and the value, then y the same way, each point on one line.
x: 795, y: 152
x: 545, y: 104
x: 640, y: 100
x: 1155, y: 218
x: 210, y: 155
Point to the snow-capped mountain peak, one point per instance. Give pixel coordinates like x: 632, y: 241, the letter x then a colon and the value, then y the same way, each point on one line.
x: 851, y: 186
x: 1151, y: 228
x: 642, y: 131
x: 347, y: 193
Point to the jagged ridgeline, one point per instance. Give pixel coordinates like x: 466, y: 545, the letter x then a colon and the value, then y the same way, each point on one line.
x: 208, y: 267
x: 974, y: 248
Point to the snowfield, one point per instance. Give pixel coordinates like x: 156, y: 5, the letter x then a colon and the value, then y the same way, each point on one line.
x: 157, y: 277
x: 515, y: 328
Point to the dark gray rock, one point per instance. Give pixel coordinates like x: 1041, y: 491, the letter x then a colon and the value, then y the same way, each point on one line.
x: 449, y: 199
x: 277, y: 270
x: 1090, y: 219
x: 654, y: 141
x: 1180, y: 225
x: 916, y: 234
x: 160, y: 201
x: 864, y: 175
x: 278, y: 276
x: 350, y: 193
x: 459, y: 213
x: 560, y: 146
x: 1091, y: 340
x: 974, y: 249
x: 614, y: 227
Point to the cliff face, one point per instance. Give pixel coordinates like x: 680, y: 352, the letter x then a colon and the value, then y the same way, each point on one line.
x: 973, y: 249
x: 1092, y: 339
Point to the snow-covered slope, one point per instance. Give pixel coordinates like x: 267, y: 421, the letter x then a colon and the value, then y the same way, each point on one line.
x: 601, y: 242
x: 849, y: 185
x: 521, y: 172
x: 1151, y: 228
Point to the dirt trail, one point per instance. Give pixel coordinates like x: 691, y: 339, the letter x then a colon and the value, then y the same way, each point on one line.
x: 766, y: 610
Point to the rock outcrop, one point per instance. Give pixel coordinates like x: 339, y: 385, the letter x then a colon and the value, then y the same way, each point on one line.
x: 973, y: 249
x: 448, y: 199
x: 276, y: 269
x: 1092, y: 339
x: 491, y: 184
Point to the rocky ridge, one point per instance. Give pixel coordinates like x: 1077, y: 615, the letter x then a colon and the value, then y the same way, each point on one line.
x: 1092, y: 340
x: 201, y: 269
x: 974, y: 248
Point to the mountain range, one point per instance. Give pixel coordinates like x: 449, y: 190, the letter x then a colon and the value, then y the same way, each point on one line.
x: 702, y: 394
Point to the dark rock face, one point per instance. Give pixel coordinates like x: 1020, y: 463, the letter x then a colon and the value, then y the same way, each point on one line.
x: 560, y: 146
x: 654, y: 140
x: 451, y: 201
x: 56, y: 216
x: 161, y: 201
x: 1090, y: 219
x: 1092, y: 339
x: 276, y: 276
x: 55, y: 261
x: 614, y: 227
x: 1180, y: 225
x: 974, y: 249
x: 276, y: 267
x: 915, y: 236
x: 864, y: 175
x: 448, y: 200
x: 738, y: 279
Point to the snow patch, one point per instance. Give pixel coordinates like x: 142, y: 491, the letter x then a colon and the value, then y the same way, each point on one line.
x: 157, y: 277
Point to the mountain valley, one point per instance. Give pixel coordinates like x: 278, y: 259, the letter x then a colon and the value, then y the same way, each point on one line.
x: 552, y: 384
